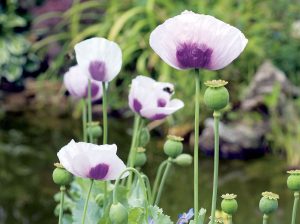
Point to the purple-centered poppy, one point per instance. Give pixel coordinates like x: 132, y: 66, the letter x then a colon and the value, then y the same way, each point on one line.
x: 152, y: 99
x: 87, y: 160
x: 196, y: 41
x: 185, y: 217
x: 76, y: 82
x: 101, y: 57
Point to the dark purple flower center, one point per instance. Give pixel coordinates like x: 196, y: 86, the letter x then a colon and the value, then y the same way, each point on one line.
x: 193, y: 55
x: 161, y: 102
x: 137, y: 106
x: 97, y: 70
x: 158, y: 116
x: 94, y: 90
x: 99, y: 172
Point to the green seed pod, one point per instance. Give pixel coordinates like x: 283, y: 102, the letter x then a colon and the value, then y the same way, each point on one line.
x: 268, y: 203
x: 94, y: 129
x: 144, y: 137
x: 229, y: 204
x: 140, y: 158
x: 183, y: 159
x: 173, y: 146
x: 118, y: 214
x: 293, y: 181
x: 216, y: 96
x: 100, y: 199
x: 61, y: 176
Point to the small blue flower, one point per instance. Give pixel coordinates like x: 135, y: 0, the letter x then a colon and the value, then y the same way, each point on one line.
x: 150, y: 221
x: 185, y: 217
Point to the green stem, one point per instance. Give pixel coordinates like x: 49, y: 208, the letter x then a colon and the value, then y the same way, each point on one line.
x: 61, y: 211
x: 216, y: 165
x: 148, y: 186
x: 137, y: 119
x: 296, y: 200
x: 87, y: 202
x: 196, y: 144
x: 84, y: 120
x: 162, y: 183
x: 157, y: 179
x: 132, y: 170
x: 104, y: 112
x: 229, y: 218
x: 90, y: 108
x: 265, y: 219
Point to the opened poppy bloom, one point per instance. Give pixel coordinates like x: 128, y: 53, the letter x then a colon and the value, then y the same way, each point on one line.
x: 196, y: 41
x: 152, y: 99
x: 76, y: 82
x: 87, y: 160
x: 101, y: 57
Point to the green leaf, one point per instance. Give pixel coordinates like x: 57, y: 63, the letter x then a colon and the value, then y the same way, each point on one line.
x: 157, y: 215
x: 17, y: 45
x: 136, y: 215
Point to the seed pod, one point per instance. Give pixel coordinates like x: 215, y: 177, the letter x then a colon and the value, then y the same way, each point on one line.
x: 61, y: 176
x: 94, y: 129
x: 216, y: 96
x: 118, y: 214
x: 293, y: 181
x: 268, y: 203
x: 140, y: 158
x: 229, y: 204
x: 183, y: 159
x: 144, y: 137
x: 173, y: 146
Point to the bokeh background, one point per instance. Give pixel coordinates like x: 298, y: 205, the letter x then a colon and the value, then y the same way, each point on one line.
x: 260, y: 131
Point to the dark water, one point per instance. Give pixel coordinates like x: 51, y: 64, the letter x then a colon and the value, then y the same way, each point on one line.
x: 28, y: 146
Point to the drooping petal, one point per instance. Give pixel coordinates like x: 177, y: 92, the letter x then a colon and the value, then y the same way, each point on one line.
x: 101, y: 57
x: 192, y: 40
x: 158, y: 113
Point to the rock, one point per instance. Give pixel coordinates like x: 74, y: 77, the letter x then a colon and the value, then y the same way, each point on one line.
x: 237, y: 140
x: 263, y: 83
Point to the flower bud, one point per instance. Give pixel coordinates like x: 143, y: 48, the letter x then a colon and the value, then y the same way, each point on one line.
x: 173, y: 146
x: 100, y: 199
x: 216, y: 96
x: 140, y: 158
x: 144, y: 137
x: 94, y: 129
x: 118, y: 214
x: 229, y: 204
x: 61, y: 176
x: 183, y: 159
x: 293, y: 181
x: 268, y: 203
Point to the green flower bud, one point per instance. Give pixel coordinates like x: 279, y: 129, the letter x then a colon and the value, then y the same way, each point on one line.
x: 140, y: 158
x: 173, y: 146
x: 229, y: 204
x: 268, y: 203
x: 100, y: 199
x: 144, y: 137
x: 216, y: 96
x: 61, y: 176
x: 94, y: 129
x: 118, y: 214
x: 183, y: 160
x: 293, y: 181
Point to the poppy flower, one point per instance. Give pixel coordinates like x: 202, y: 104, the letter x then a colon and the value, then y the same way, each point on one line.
x: 87, y: 160
x: 196, y: 41
x: 76, y: 82
x: 152, y: 99
x: 100, y: 57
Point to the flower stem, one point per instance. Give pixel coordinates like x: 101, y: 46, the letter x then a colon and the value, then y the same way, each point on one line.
x: 229, y: 218
x: 196, y: 143
x: 265, y: 219
x: 84, y: 120
x: 104, y: 112
x: 87, y: 202
x: 296, y: 200
x: 61, y: 211
x: 131, y: 155
x: 148, y: 186
x: 157, y: 179
x: 216, y: 165
x: 90, y: 108
x: 162, y: 183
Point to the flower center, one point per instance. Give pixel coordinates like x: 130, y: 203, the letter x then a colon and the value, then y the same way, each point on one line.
x: 97, y: 70
x: 99, y: 172
x: 192, y: 55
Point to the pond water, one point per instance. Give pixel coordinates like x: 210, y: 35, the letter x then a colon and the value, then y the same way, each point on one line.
x: 28, y: 146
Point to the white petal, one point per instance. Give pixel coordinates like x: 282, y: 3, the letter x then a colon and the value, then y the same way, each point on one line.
x: 100, y: 49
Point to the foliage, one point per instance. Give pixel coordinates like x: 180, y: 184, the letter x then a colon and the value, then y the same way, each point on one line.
x: 14, y: 47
